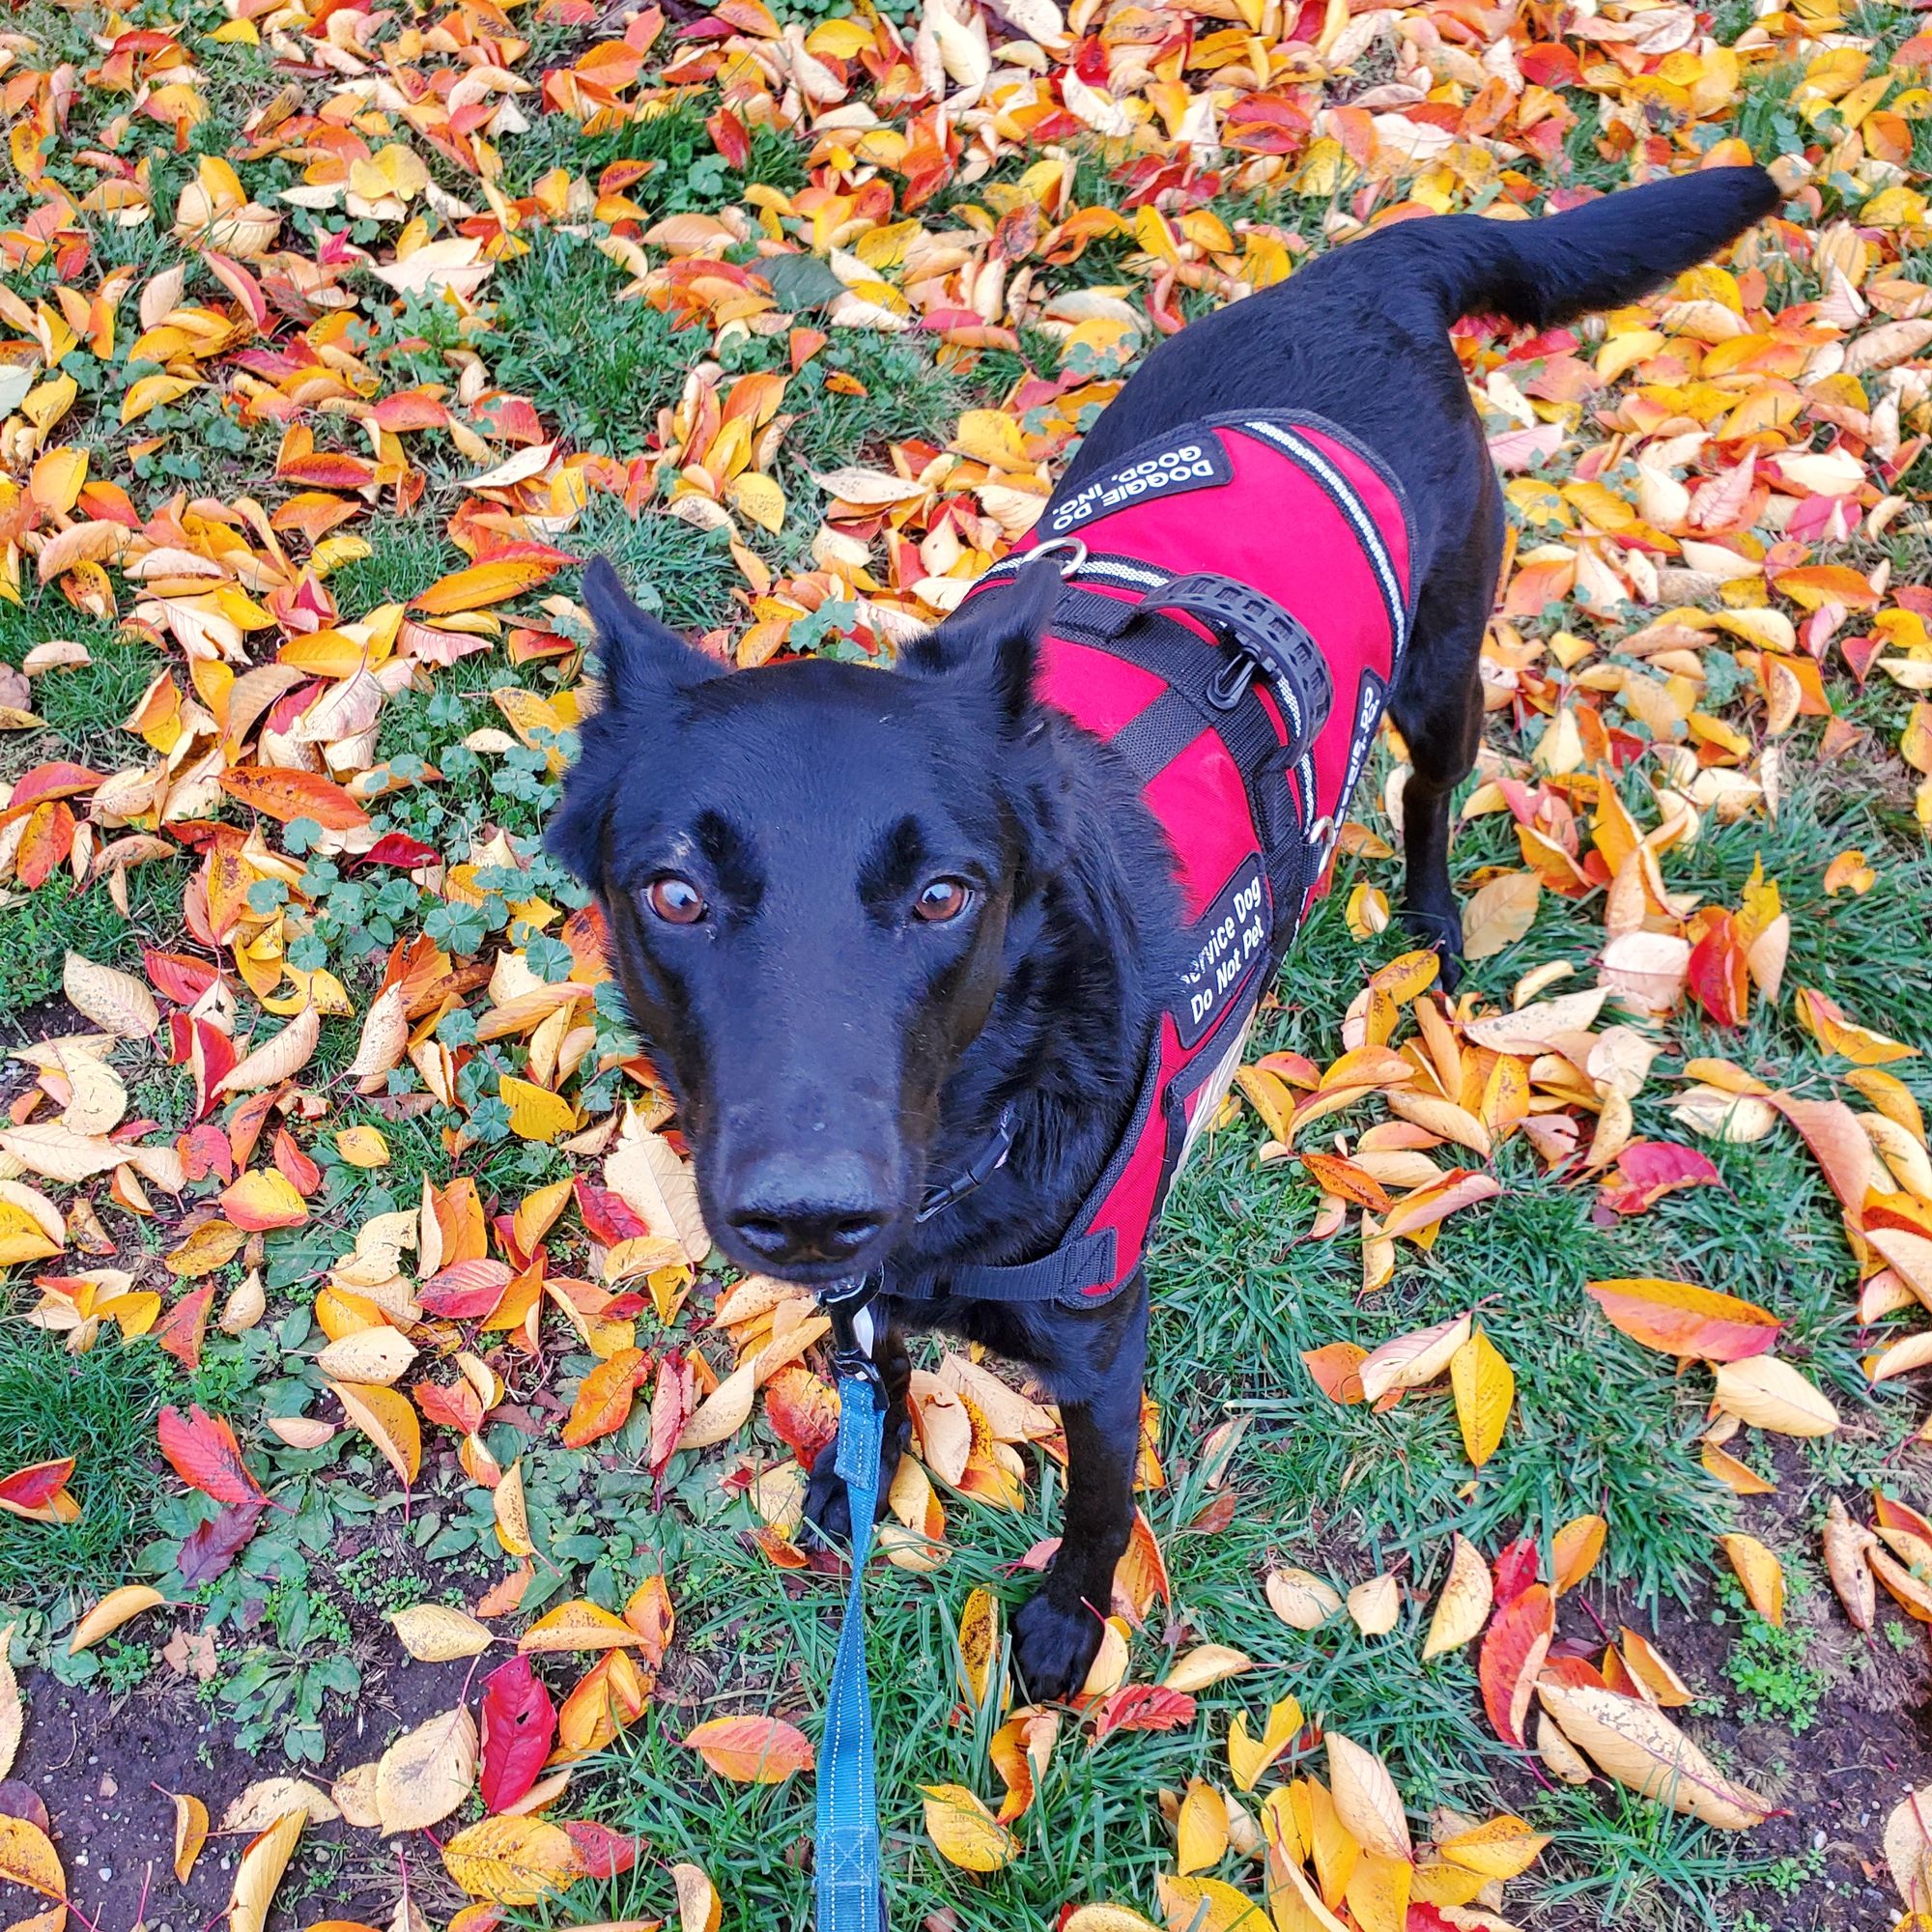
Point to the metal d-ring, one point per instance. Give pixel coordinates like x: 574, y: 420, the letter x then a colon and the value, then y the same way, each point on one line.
x: 1077, y: 557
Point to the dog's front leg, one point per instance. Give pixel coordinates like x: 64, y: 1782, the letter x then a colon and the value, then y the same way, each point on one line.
x: 826, y: 1509
x: 1057, y: 1631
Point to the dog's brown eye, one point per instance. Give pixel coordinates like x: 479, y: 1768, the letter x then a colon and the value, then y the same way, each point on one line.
x: 675, y: 901
x: 941, y: 899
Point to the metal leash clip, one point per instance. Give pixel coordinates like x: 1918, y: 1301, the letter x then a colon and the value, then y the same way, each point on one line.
x: 855, y: 1331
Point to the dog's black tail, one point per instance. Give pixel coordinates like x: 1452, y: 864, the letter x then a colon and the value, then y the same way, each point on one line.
x: 1602, y: 255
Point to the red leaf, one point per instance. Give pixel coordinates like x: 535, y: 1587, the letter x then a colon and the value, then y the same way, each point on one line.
x: 728, y: 136
x: 180, y: 1332
x: 606, y: 1218
x: 215, y: 1545
x: 600, y: 1852
x: 803, y: 1411
x: 1514, y: 1647
x: 1718, y: 973
x: 458, y: 1408
x: 398, y: 848
x: 1646, y: 1170
x: 671, y: 1404
x: 1143, y: 1707
x: 1516, y: 1567
x: 295, y: 1167
x: 519, y: 1725
x: 203, y: 1452
x: 205, y: 1150
x: 465, y: 1291
x: 177, y: 977
x: 1677, y: 1317
x: 31, y: 1487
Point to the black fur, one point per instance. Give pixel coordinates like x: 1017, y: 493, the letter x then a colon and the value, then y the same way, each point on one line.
x: 833, y: 1055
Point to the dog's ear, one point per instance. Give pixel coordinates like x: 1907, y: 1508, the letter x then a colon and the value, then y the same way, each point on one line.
x: 644, y: 662
x: 993, y: 640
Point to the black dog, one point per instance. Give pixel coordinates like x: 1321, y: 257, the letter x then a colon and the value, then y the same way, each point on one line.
x: 863, y: 920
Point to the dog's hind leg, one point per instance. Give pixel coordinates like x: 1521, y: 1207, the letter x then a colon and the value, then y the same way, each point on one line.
x: 1057, y: 1631
x: 826, y: 1508
x: 1438, y: 707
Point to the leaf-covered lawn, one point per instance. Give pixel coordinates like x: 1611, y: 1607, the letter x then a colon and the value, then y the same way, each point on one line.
x: 1536, y: 1419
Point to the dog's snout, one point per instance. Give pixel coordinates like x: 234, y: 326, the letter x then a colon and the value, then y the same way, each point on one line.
x: 794, y: 1213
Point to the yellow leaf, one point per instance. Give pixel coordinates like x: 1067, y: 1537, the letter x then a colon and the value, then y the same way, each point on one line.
x: 1499, y: 914
x: 1641, y: 1748
x: 697, y: 1905
x: 512, y: 1515
x: 389, y: 1422
x: 427, y: 1773
x: 190, y: 1832
x: 278, y: 1058
x: 993, y: 437
x: 362, y: 1146
x: 578, y: 1625
x: 964, y: 1833
x: 1366, y: 1800
x: 115, y: 1001
x: 1761, y: 1575
x: 1300, y: 1599
x: 1574, y: 1551
x: 536, y: 1114
x: 1204, y: 1665
x: 1201, y: 1836
x: 1248, y: 1757
x: 510, y: 1860
x: 481, y: 583
x: 1206, y: 1905
x: 978, y: 1645
x: 150, y: 392
x: 1463, y: 1606
x: 113, y: 1610
x: 1907, y: 1849
x: 437, y: 1632
x: 760, y: 498
x: 1376, y: 1606
x: 1771, y: 1394
x: 1484, y: 1388
x: 1501, y: 1848
x: 269, y: 1800
x: 1106, y: 1919
x: 260, y: 1872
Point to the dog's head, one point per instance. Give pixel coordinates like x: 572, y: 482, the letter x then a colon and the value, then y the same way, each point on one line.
x: 808, y: 871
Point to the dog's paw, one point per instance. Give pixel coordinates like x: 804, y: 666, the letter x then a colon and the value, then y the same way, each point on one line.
x: 1054, y: 1647
x: 827, y: 1509
x: 1443, y: 932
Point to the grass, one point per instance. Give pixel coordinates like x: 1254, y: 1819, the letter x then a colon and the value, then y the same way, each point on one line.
x: 99, y: 1409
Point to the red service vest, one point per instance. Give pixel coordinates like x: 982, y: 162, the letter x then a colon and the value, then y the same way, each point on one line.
x: 1236, y: 604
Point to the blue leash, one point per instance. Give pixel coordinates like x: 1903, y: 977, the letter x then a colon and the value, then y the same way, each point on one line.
x: 851, y: 1895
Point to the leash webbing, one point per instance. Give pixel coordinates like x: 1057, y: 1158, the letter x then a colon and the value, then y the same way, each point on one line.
x: 847, y: 1867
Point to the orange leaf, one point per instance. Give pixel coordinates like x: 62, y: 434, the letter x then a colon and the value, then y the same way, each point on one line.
x: 285, y: 795
x: 602, y: 1402
x: 491, y: 582
x: 1516, y: 1642
x: 1675, y: 1317
x: 751, y: 1749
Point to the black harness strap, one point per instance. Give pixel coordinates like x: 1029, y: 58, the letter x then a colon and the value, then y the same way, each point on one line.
x: 1070, y: 1268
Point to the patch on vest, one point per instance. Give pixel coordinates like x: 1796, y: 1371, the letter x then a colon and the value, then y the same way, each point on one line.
x: 1196, y: 463
x: 1232, y: 937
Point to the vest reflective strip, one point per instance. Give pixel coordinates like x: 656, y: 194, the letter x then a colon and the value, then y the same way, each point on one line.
x: 1351, y: 506
x: 1092, y: 566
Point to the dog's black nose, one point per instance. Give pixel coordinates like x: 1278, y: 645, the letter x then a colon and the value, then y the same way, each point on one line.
x: 791, y: 1212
